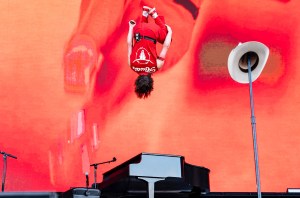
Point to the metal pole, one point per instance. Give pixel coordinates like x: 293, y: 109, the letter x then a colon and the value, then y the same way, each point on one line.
x: 253, y: 123
x: 5, y: 155
x: 4, y: 171
x: 95, y: 175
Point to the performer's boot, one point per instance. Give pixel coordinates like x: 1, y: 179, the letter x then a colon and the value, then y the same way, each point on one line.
x: 145, y: 14
x: 146, y: 8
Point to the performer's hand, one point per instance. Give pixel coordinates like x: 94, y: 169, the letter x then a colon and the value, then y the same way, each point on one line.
x: 132, y: 23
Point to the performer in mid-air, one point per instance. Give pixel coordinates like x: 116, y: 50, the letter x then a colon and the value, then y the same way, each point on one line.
x: 142, y: 54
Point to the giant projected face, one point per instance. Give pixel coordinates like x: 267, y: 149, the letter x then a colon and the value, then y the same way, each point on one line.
x: 196, y: 109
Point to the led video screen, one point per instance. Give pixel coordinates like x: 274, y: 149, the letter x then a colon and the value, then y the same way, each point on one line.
x: 68, y: 100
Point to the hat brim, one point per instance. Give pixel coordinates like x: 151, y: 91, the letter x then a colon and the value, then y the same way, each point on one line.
x: 236, y: 54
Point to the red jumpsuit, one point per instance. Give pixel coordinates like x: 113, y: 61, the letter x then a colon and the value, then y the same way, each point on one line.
x: 144, y: 55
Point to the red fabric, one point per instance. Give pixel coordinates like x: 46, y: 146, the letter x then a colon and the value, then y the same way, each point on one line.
x: 162, y: 32
x: 143, y: 57
x: 160, y: 28
x: 144, y: 54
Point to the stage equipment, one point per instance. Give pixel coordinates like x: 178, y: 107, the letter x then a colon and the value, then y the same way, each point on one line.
x: 95, y: 170
x: 258, y: 54
x: 170, y: 173
x: 82, y: 193
x: 5, y: 155
x: 293, y: 190
x: 245, y: 64
x: 29, y: 195
x: 87, y: 181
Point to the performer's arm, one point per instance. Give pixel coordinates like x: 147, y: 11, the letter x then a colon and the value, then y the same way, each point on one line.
x: 161, y: 59
x: 129, y: 39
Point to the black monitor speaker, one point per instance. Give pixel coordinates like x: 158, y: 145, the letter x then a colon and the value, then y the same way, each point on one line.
x: 28, y: 195
x: 82, y: 193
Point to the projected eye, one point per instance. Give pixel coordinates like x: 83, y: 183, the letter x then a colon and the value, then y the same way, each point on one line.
x: 212, y: 59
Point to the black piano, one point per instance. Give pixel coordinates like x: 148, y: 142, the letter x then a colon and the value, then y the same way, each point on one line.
x: 155, y: 175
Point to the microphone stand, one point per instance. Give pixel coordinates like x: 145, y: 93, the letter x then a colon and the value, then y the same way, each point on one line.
x: 253, y: 123
x: 95, y: 169
x: 5, y: 155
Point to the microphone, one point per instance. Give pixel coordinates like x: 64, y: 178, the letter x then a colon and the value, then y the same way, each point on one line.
x: 87, y: 183
x: 7, y: 154
x: 96, y: 164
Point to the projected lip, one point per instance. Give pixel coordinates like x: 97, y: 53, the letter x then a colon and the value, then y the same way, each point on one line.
x: 79, y: 59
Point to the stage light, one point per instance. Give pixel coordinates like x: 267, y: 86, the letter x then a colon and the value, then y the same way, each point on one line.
x: 245, y: 64
x: 238, y: 58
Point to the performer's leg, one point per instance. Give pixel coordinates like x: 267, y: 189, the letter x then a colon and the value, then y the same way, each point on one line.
x: 160, y: 21
x: 145, y: 14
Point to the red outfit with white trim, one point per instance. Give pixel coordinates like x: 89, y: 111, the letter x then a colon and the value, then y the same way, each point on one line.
x: 144, y: 55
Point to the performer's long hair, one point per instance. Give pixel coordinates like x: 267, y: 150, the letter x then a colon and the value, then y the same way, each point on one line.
x: 143, y: 86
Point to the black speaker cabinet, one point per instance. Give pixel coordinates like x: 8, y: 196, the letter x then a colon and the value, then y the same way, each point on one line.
x: 28, y: 195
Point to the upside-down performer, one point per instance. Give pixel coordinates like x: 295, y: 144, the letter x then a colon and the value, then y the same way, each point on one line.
x: 142, y: 54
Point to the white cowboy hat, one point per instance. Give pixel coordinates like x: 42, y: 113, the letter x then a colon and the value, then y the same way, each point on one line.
x: 238, y: 61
